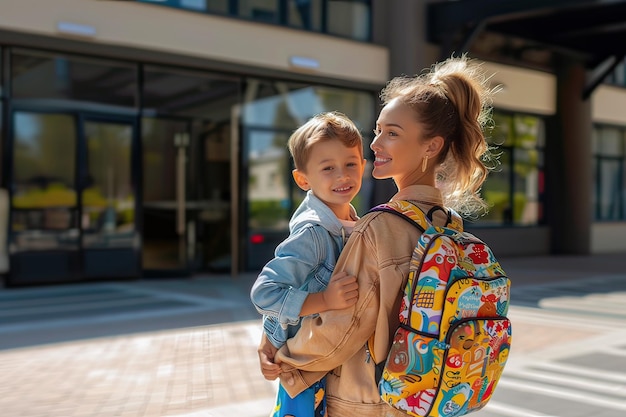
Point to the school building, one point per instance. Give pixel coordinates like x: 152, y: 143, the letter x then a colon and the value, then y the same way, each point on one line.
x: 147, y: 138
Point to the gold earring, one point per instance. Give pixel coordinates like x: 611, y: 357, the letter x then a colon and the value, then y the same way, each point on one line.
x: 424, y: 163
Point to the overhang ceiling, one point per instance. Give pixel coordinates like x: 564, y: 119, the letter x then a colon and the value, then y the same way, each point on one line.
x: 533, y: 31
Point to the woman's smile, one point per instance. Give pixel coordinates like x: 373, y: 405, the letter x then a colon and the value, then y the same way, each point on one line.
x: 378, y: 161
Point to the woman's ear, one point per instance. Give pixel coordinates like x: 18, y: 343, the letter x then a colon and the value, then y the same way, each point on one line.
x: 434, y: 146
x: 300, y: 178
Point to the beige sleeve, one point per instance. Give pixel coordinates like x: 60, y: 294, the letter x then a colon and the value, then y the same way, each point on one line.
x: 328, y: 340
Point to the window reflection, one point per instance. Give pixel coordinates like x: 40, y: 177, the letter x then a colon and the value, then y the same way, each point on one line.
x: 218, y: 6
x: 260, y: 10
x: 268, y: 188
x: 2, y: 172
x: 199, y: 5
x: 305, y: 14
x: 44, y: 165
x: 526, y: 207
x: 199, y: 105
x: 161, y: 243
x: 196, y: 5
x: 44, y: 214
x: 269, y: 116
x: 610, y: 169
x: 349, y: 18
x: 610, y: 205
x: 345, y: 18
x: 497, y: 192
x: 44, y: 75
x: 108, y: 215
x: 513, y: 189
x: 618, y: 76
x: 283, y: 105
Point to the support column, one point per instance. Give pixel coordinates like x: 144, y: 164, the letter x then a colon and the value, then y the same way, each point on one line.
x: 568, y: 163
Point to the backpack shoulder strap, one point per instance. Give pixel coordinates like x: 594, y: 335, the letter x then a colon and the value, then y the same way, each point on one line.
x: 410, y: 211
x: 455, y: 220
x: 406, y: 210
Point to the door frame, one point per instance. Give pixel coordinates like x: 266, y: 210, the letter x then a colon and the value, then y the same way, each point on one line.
x: 74, y: 259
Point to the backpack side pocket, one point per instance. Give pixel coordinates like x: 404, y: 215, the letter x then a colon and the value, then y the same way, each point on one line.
x: 412, y: 372
x: 473, y: 363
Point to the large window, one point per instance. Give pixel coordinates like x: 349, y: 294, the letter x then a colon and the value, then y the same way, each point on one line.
x: 305, y: 14
x: 272, y: 111
x: 618, y: 76
x: 3, y: 161
x: 186, y: 148
x: 42, y: 75
x: 44, y: 205
x: 344, y: 18
x: 108, y: 156
x: 514, y: 187
x: 108, y: 194
x: 609, y: 147
x: 2, y: 99
x: 349, y: 18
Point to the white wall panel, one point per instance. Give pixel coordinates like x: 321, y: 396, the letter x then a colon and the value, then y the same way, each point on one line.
x: 523, y: 90
x: 230, y: 40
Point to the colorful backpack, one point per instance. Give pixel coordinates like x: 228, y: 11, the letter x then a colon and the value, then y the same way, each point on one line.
x: 454, y: 337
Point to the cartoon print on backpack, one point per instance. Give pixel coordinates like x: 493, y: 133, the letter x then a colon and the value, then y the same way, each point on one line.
x: 453, y: 340
x: 450, y: 406
x: 476, y: 357
x: 468, y: 300
x: 486, y: 299
x: 412, y: 359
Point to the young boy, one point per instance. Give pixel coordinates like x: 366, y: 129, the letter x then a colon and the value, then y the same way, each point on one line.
x: 328, y: 156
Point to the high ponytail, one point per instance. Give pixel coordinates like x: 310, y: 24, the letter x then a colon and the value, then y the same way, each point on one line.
x: 453, y: 100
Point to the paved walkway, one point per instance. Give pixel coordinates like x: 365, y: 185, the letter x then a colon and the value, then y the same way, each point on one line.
x: 187, y: 347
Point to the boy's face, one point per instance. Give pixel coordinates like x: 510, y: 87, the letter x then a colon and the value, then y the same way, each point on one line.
x: 334, y: 173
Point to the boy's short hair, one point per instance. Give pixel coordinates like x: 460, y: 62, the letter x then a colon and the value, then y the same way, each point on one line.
x: 322, y: 127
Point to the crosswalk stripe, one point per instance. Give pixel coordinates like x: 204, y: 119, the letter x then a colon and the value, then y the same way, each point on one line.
x: 580, y: 305
x: 565, y: 380
x: 506, y: 410
x: 81, y: 307
x: 616, y: 377
x: 106, y: 318
x: 611, y: 350
x: 560, y: 392
x: 563, y: 319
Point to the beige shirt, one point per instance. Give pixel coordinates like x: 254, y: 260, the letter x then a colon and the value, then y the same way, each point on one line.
x: 334, y: 342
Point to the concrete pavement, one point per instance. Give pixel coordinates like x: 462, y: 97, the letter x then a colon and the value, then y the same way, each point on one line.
x: 187, y: 347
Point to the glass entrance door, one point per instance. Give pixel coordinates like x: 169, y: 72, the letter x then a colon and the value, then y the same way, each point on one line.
x: 187, y: 128
x: 186, y: 196
x: 44, y: 234
x: 73, y: 198
x: 165, y: 156
x: 110, y: 241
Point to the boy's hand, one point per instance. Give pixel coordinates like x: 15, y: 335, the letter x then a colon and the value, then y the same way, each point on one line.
x: 267, y: 352
x: 342, y: 291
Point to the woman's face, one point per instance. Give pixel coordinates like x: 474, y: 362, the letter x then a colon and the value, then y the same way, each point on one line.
x: 398, y: 147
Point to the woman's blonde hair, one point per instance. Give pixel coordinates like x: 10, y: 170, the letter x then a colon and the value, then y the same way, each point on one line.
x: 452, y: 100
x: 322, y: 127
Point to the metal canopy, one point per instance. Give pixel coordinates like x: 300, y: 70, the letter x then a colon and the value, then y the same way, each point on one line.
x: 592, y: 31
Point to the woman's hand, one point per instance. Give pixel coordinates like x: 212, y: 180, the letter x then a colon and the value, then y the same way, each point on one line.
x: 267, y: 352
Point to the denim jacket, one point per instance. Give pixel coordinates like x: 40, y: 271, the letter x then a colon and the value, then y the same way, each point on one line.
x: 302, y: 264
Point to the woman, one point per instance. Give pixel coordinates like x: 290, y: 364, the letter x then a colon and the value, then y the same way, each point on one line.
x: 429, y: 139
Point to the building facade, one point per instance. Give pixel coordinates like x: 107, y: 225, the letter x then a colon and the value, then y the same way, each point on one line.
x: 147, y: 138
